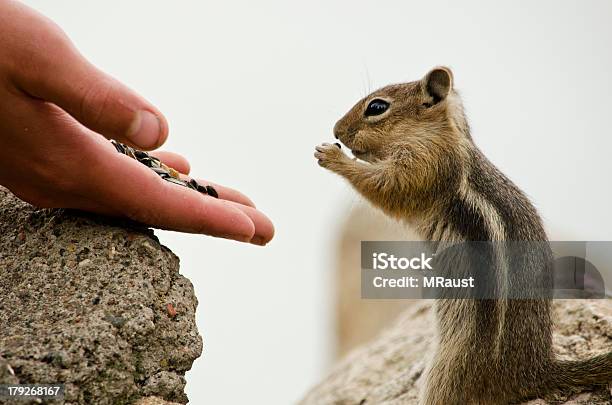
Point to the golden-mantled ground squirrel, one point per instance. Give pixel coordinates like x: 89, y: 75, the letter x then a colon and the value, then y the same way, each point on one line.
x: 418, y: 163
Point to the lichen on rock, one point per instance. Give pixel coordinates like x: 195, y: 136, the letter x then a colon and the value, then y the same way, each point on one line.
x: 85, y: 301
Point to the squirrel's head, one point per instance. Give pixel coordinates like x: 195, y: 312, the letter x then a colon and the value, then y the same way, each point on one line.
x: 400, y: 113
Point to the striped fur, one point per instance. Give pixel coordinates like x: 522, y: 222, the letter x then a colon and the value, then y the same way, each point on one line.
x: 422, y: 167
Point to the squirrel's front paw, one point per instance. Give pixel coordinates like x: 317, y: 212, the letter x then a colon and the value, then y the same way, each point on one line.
x: 328, y: 154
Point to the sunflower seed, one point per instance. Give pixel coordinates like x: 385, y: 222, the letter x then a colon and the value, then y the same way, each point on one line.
x: 175, y: 181
x: 173, y: 173
x: 119, y: 147
x: 146, y: 161
x: 212, y: 192
x: 141, y: 155
x: 193, y: 184
x: 160, y: 171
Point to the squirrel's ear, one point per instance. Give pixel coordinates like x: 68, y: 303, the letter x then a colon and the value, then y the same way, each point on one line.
x: 438, y: 83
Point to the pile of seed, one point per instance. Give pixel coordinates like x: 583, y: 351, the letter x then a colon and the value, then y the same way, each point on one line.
x: 165, y: 172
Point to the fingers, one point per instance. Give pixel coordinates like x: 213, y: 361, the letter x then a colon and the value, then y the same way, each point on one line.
x: 227, y: 193
x: 61, y: 75
x: 137, y: 192
x: 174, y: 160
x: 180, y: 164
x: 264, y: 229
x: 102, y: 104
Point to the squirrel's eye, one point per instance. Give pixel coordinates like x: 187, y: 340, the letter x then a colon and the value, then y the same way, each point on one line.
x: 376, y: 107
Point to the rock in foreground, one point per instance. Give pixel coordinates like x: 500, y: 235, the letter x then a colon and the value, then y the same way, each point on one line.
x: 97, y: 306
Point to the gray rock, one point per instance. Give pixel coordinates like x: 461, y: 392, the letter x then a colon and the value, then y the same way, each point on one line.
x: 85, y: 302
x: 387, y: 370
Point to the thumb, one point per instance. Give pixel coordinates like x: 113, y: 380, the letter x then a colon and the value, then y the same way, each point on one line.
x: 100, y: 102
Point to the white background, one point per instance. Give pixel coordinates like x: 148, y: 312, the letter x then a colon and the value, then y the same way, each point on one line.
x: 250, y: 87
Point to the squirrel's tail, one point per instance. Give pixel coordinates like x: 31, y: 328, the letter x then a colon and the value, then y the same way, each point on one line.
x: 573, y: 374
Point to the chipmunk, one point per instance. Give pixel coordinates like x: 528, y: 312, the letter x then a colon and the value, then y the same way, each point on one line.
x: 418, y: 163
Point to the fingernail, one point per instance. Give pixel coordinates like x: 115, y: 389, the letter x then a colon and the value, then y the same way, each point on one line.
x: 258, y: 240
x: 145, y: 129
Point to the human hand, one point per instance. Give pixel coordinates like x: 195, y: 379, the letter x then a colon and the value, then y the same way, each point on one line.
x: 54, y: 107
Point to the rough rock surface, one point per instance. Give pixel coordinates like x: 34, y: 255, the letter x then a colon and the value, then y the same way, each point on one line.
x: 388, y: 369
x: 154, y: 401
x: 96, y: 305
